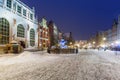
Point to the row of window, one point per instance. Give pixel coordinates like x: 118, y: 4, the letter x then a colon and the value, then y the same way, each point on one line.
x: 4, y: 32
x: 21, y: 33
x: 19, y: 9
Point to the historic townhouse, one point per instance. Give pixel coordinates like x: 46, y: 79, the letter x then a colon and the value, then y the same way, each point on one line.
x: 53, y: 33
x: 18, y: 22
x: 44, y: 34
x: 112, y: 35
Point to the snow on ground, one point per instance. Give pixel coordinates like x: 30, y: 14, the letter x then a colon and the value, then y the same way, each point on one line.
x: 25, y: 57
x: 112, y: 56
x: 87, y: 65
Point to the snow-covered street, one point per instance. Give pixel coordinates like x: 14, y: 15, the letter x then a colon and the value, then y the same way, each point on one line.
x: 87, y: 65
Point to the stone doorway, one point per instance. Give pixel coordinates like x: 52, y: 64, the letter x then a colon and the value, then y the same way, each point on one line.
x: 22, y: 43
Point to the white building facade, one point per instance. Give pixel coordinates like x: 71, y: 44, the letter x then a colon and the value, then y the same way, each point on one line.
x: 18, y: 22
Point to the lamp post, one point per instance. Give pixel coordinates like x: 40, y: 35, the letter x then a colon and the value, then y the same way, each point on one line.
x: 38, y: 30
x: 70, y: 44
x: 94, y: 44
x: 104, y: 39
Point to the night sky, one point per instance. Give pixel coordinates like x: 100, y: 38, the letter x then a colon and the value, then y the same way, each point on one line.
x: 82, y: 17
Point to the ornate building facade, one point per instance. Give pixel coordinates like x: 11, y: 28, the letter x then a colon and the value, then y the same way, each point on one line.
x: 18, y: 22
x: 43, y: 34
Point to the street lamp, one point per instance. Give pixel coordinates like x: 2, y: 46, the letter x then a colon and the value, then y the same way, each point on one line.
x: 94, y: 44
x: 104, y: 39
x: 117, y: 42
x: 70, y: 43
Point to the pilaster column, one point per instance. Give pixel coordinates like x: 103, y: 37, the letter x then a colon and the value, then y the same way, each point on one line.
x: 5, y: 2
x: 12, y: 4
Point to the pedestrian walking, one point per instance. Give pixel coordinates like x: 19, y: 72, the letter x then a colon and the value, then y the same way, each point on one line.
x: 48, y: 50
x: 76, y: 50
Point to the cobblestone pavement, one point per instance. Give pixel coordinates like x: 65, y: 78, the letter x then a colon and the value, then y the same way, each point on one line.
x: 83, y: 66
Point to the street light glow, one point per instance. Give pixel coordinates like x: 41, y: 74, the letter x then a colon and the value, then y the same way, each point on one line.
x: 94, y: 42
x: 104, y: 39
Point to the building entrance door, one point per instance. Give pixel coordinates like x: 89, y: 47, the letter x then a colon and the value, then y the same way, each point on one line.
x: 22, y: 43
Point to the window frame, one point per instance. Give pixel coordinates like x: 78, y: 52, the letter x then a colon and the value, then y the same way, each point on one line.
x: 31, y: 16
x: 24, y: 12
x: 19, y: 9
x: 20, y: 31
x: 32, y: 37
x: 9, y: 3
x: 4, y: 31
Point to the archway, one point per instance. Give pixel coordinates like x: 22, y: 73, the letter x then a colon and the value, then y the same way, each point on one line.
x: 20, y: 31
x: 22, y: 43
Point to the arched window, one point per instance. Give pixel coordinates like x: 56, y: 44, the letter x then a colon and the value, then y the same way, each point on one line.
x: 4, y: 31
x: 32, y: 37
x: 20, y: 31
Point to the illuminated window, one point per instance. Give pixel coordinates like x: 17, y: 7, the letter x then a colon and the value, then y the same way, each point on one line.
x: 9, y: 3
x: 4, y: 31
x: 32, y: 37
x: 20, y: 31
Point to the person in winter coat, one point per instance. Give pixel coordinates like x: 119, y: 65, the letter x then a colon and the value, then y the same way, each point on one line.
x: 76, y: 50
x: 48, y: 50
